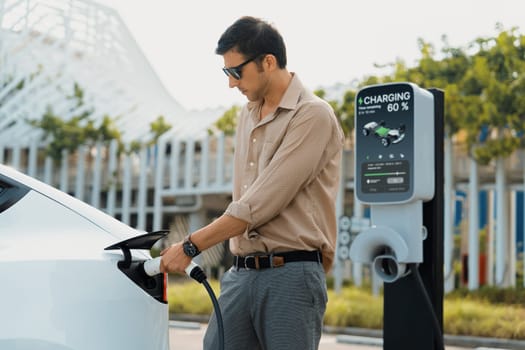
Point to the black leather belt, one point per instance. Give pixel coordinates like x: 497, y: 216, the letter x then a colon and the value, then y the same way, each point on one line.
x: 275, y: 260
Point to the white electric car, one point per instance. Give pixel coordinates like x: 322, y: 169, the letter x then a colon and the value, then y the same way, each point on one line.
x: 71, y: 276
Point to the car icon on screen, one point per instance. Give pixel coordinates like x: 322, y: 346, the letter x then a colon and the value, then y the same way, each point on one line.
x: 385, y: 134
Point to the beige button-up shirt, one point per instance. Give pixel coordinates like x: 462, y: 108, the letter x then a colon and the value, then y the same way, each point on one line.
x: 286, y: 176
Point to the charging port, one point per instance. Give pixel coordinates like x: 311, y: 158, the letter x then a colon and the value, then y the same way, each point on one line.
x: 155, y: 286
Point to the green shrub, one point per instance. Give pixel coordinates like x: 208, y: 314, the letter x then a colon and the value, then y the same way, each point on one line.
x: 492, y: 295
x: 354, y: 307
x: 478, y: 318
x: 190, y: 297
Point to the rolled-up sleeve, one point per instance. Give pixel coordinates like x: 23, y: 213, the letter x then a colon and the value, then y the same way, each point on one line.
x: 240, y: 210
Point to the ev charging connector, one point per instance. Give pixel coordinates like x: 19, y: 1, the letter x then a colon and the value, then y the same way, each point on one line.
x: 152, y: 267
x: 394, y: 174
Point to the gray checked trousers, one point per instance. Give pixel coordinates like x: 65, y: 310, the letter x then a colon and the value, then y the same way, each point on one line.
x: 271, y: 309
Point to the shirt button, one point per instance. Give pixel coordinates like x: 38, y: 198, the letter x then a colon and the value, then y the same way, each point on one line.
x: 245, y: 186
x: 254, y: 140
x: 252, y: 164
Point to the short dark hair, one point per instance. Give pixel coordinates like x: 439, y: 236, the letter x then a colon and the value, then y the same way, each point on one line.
x: 253, y: 37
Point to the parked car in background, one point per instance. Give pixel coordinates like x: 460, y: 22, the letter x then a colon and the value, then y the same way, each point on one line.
x: 71, y: 275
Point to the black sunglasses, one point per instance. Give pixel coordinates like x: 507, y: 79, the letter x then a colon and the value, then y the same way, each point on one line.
x: 236, y: 72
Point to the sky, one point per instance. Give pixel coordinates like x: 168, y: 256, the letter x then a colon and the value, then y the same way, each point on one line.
x: 328, y: 41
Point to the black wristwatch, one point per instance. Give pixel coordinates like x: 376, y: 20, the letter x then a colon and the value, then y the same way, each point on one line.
x: 189, y: 248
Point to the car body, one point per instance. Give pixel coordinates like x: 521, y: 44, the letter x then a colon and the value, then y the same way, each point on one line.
x: 61, y: 288
x: 385, y: 134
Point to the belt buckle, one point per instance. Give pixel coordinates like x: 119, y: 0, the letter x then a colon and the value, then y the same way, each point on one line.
x: 255, y: 259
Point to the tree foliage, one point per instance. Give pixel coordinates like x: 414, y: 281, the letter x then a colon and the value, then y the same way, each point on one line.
x: 502, y: 77
x: 67, y: 134
x: 227, y: 123
x: 82, y: 128
x: 158, y: 127
x: 483, y: 85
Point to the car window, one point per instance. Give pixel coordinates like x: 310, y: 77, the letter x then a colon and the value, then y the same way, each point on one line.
x: 10, y: 192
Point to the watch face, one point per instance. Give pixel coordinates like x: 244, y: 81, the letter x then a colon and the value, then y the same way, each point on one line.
x: 189, y: 249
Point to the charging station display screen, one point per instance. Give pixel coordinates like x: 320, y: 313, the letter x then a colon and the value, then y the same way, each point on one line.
x: 384, y: 148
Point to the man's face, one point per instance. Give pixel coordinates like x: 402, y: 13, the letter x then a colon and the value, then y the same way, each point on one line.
x: 252, y: 81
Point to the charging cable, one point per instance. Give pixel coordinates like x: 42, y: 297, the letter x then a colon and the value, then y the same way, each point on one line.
x: 152, y: 268
x: 435, y: 322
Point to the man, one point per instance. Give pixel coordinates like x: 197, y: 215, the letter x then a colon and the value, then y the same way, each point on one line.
x: 281, y: 222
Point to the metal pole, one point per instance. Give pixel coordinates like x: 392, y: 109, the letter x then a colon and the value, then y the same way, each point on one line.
x: 338, y: 262
x: 473, y: 227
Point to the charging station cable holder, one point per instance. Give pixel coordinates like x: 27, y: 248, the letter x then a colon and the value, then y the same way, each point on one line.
x: 393, y: 241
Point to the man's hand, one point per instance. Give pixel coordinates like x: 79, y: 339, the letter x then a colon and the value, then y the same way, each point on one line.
x: 174, y: 260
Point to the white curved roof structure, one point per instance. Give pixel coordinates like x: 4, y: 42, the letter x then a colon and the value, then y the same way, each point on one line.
x: 48, y: 46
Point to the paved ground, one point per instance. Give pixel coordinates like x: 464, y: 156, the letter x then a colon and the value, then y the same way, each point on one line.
x: 188, y: 336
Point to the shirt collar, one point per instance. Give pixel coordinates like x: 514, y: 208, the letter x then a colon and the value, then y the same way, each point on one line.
x: 290, y: 98
x: 292, y: 93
